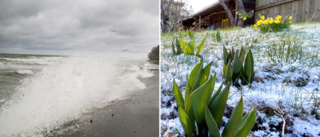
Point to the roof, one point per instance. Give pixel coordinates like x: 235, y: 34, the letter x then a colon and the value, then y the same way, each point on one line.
x: 207, y: 8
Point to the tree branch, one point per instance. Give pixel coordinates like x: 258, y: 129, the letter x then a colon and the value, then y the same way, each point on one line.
x: 228, y: 12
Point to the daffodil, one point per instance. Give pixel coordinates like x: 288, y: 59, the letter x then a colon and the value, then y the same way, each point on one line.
x: 262, y: 17
x: 244, y: 18
x: 266, y: 22
x: 277, y: 21
x: 259, y: 22
x: 290, y: 17
x: 255, y: 25
x: 278, y: 17
x: 271, y: 21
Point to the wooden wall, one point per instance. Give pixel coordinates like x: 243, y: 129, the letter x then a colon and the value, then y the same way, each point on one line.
x: 300, y: 10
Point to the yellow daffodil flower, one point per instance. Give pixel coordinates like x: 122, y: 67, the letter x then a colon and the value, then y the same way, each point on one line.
x: 277, y: 21
x: 271, y: 21
x: 266, y: 22
x: 278, y: 17
x: 244, y: 18
x: 255, y: 25
x: 259, y: 22
x: 290, y: 17
x: 262, y: 17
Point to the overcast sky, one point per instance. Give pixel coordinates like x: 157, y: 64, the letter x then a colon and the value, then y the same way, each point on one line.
x: 67, y: 26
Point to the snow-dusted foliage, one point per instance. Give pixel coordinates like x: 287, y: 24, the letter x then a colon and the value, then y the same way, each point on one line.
x: 286, y: 82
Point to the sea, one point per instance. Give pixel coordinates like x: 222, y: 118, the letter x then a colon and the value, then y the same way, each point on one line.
x: 40, y: 93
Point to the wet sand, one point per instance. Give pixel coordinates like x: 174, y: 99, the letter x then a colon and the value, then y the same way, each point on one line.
x: 136, y: 116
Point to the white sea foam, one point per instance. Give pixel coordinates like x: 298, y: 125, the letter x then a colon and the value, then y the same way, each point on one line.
x: 24, y: 72
x: 35, y: 60
x: 62, y: 92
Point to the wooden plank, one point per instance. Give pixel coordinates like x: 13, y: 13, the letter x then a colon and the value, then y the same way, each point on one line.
x: 265, y: 6
x: 317, y: 10
x: 285, y: 9
x: 299, y: 16
x: 295, y: 8
x: 312, y: 9
x: 306, y: 14
x: 289, y: 11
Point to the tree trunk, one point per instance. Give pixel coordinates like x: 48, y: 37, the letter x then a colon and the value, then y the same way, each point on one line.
x: 228, y: 12
x: 240, y: 7
x: 165, y: 15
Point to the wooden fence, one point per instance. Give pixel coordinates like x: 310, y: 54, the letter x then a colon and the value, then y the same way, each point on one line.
x: 300, y: 10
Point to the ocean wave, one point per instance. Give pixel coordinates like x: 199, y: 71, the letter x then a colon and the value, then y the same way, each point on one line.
x: 35, y: 60
x: 62, y: 92
x: 24, y: 72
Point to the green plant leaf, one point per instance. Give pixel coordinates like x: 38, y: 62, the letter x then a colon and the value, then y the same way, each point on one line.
x: 212, y: 125
x: 201, y: 46
x: 187, y: 125
x: 225, y: 55
x: 200, y: 98
x: 249, y: 67
x: 193, y: 80
x: 218, y: 105
x: 179, y: 51
x: 288, y: 54
x: 192, y: 45
x: 225, y: 71
x: 246, y: 124
x: 189, y: 50
x: 229, y: 72
x: 237, y: 65
x: 191, y: 35
x: 188, y: 106
x: 183, y: 46
x: 177, y: 95
x: 218, y: 37
x: 205, y: 73
x: 173, y: 49
x: 234, y: 120
x: 215, y: 94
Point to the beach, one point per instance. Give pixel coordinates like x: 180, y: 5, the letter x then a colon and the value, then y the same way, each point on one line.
x: 135, y: 116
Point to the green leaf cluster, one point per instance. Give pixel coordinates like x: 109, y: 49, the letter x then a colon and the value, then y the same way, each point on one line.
x: 191, y: 47
x: 236, y: 66
x: 201, y: 111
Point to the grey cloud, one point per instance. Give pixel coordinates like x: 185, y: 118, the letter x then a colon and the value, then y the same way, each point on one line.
x: 66, y: 25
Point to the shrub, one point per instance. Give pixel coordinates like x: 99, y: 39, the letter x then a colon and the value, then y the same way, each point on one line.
x: 200, y: 112
x: 245, y: 15
x: 273, y: 25
x: 154, y: 54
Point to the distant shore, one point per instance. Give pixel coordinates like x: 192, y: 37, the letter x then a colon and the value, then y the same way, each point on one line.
x: 135, y: 116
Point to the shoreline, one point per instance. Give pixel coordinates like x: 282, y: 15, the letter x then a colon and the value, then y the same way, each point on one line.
x: 136, y: 115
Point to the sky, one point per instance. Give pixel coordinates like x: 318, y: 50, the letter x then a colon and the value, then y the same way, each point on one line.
x: 69, y: 26
x: 199, y: 4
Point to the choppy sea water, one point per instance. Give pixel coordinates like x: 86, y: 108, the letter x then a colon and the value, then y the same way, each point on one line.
x: 39, y: 93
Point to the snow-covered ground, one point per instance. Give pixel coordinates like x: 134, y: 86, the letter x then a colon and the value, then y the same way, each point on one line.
x: 290, y: 86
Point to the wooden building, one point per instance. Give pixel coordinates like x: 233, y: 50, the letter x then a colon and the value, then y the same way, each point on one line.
x: 300, y: 10
x: 213, y: 16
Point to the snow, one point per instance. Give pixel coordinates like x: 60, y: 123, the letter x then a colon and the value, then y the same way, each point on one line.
x: 292, y: 87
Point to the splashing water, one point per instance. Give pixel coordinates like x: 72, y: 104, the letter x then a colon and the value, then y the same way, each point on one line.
x: 62, y: 91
